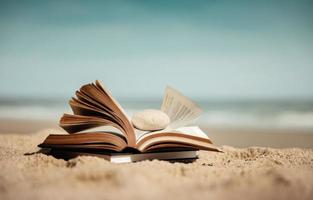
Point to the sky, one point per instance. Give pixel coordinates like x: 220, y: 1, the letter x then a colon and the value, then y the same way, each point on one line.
x: 206, y: 49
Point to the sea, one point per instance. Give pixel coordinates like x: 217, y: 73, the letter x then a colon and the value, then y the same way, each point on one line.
x: 226, y: 114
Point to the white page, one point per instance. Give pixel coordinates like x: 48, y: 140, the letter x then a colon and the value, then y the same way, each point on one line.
x: 186, y: 130
x: 192, y: 130
x: 140, y: 133
x: 179, y: 108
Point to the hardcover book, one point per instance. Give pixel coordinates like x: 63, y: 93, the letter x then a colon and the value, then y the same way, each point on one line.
x: 99, y: 126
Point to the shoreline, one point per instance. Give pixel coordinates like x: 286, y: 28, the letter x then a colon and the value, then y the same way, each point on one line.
x: 237, y: 137
x: 274, y: 138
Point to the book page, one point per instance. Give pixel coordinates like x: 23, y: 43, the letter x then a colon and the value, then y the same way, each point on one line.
x: 179, y: 108
x: 140, y: 133
x: 186, y: 130
x: 104, y: 129
x: 192, y: 130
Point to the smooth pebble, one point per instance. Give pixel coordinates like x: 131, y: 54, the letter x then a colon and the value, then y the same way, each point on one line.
x: 150, y: 120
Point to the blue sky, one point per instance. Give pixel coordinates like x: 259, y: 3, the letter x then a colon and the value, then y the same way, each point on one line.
x: 207, y: 49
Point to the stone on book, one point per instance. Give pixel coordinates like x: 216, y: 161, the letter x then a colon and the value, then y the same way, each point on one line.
x: 150, y: 120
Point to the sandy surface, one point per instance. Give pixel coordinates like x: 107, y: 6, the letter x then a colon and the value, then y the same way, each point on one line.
x: 250, y: 173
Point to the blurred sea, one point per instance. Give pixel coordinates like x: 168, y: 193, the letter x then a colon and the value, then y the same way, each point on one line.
x: 225, y: 114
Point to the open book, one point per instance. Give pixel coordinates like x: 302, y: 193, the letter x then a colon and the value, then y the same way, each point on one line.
x: 99, y: 124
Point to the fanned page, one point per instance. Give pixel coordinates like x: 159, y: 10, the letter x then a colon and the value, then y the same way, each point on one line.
x: 179, y: 108
x: 91, y: 140
x: 93, y: 107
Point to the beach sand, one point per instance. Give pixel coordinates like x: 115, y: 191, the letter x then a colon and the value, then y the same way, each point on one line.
x: 247, y: 173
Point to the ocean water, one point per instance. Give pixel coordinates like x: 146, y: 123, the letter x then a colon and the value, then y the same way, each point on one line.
x: 268, y: 114
x: 225, y: 114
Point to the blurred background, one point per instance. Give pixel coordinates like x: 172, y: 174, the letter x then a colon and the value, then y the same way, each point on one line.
x: 249, y: 64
